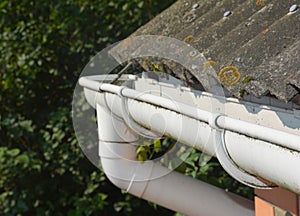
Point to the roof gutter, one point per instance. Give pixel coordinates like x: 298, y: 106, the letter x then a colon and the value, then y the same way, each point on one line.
x: 244, y: 149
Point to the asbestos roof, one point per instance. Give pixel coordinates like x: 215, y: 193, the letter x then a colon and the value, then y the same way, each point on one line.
x: 259, y: 41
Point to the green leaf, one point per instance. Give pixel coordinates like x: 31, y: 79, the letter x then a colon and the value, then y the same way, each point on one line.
x: 3, y: 4
x: 247, y: 79
x: 140, y: 149
x: 157, y: 145
x: 22, y: 159
x: 13, y: 152
x: 125, y: 7
x: 141, y: 4
x: 181, y: 168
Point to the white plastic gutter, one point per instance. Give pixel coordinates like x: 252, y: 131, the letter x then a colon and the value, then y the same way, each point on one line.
x: 244, y: 149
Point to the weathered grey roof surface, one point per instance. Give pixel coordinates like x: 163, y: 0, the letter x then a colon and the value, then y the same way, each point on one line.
x: 259, y: 41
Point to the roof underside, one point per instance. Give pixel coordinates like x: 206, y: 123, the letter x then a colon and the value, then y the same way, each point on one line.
x: 260, y: 39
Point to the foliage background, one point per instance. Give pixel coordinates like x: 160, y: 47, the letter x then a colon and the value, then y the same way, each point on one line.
x: 44, y: 45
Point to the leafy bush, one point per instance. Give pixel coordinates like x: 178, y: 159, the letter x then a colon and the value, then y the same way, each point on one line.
x: 44, y: 46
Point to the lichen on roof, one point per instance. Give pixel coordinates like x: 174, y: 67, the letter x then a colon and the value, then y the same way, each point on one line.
x: 255, y: 48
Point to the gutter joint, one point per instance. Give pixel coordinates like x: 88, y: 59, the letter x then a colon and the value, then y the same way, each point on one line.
x: 213, y: 121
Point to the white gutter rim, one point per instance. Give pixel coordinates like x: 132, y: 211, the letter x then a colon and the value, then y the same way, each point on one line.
x: 226, y: 123
x: 260, y: 132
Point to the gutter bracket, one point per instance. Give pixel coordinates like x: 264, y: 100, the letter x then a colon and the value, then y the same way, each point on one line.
x: 213, y: 121
x: 225, y: 160
x: 130, y: 122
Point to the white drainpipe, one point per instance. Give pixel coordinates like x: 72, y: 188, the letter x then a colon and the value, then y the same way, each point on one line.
x: 244, y: 149
x: 155, y: 183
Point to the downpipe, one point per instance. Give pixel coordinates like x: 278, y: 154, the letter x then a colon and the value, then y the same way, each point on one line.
x: 155, y: 183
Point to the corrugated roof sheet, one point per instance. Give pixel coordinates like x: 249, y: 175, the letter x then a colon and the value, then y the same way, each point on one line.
x: 260, y: 39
